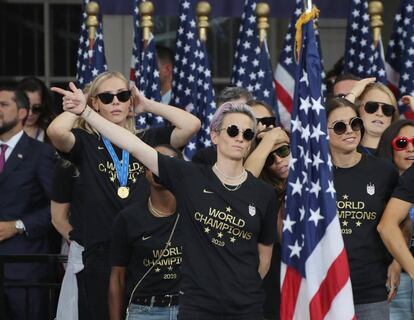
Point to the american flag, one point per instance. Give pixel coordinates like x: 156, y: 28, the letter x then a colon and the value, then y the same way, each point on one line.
x: 252, y: 68
x: 91, y: 61
x: 286, y: 69
x: 361, y: 57
x: 144, y: 72
x: 192, y: 82
x: 315, y: 273
x: 400, y: 55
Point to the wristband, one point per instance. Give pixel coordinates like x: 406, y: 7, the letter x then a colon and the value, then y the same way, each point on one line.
x: 87, y: 114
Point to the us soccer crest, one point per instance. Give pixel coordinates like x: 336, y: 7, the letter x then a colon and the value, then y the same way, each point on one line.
x: 370, y: 189
x: 252, y: 209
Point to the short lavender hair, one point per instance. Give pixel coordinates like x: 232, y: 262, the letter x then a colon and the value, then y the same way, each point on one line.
x: 231, y: 107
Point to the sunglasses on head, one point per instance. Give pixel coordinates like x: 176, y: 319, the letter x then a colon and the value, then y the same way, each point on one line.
x: 267, y: 121
x: 233, y: 131
x: 281, y: 152
x: 401, y: 143
x: 107, y: 97
x: 339, y: 127
x: 372, y: 107
x: 36, y: 109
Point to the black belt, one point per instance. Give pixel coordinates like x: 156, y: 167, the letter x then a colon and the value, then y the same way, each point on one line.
x: 157, y: 301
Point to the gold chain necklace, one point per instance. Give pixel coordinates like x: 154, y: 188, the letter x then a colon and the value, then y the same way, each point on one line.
x: 156, y: 212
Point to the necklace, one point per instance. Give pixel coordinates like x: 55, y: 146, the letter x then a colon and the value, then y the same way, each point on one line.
x: 229, y: 177
x: 241, y: 178
x: 234, y: 187
x: 156, y: 212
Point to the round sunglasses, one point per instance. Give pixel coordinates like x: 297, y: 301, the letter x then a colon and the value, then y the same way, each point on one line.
x: 339, y: 127
x: 281, y: 152
x: 400, y: 143
x: 233, y: 131
x: 372, y: 107
x: 107, y: 97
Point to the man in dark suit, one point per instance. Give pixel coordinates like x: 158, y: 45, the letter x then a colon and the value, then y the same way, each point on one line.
x: 26, y: 168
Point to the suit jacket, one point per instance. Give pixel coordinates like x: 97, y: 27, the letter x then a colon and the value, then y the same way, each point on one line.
x: 25, y: 187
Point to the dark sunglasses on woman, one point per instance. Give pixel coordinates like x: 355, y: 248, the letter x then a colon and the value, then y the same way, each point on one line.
x: 267, y: 121
x: 107, y: 97
x: 233, y: 131
x: 281, y: 152
x: 339, y: 127
x: 372, y: 107
x: 400, y: 143
x: 36, y: 109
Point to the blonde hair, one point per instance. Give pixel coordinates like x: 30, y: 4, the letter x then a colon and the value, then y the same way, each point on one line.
x: 387, y: 91
x: 92, y: 90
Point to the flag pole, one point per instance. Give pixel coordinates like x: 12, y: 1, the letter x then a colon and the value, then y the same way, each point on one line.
x: 146, y: 10
x: 262, y: 13
x: 92, y: 22
x: 203, y: 10
x: 308, y: 5
x: 375, y: 9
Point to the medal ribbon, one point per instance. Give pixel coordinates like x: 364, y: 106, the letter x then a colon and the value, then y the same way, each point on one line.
x: 121, y: 170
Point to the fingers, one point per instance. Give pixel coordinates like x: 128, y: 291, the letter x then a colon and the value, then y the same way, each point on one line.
x: 72, y: 87
x: 60, y: 91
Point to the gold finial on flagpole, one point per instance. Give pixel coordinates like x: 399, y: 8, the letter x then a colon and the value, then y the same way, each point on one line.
x: 203, y: 10
x: 262, y: 13
x: 92, y: 22
x: 375, y: 9
x: 146, y: 10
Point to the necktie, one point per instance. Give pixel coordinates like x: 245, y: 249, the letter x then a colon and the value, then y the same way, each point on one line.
x: 3, y: 149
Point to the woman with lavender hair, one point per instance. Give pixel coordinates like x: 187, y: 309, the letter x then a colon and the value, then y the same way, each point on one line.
x: 228, y: 215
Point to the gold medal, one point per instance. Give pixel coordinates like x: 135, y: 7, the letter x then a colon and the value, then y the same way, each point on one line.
x: 123, y: 192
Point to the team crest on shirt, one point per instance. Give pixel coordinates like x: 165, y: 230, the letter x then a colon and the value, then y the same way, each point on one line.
x: 252, y: 209
x: 370, y: 189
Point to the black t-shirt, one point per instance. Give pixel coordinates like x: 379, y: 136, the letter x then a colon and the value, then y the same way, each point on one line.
x: 138, y: 239
x: 207, y: 156
x: 367, y: 150
x: 64, y: 178
x: 97, y: 187
x: 405, y: 189
x: 362, y: 194
x: 221, y: 230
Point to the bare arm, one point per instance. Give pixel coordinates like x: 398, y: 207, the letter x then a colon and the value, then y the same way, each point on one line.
x: 391, y: 234
x: 60, y: 218
x: 265, y: 257
x: 358, y: 88
x: 393, y: 279
x: 116, y: 295
x: 186, y: 125
x: 59, y: 131
x: 269, y: 141
x: 124, y: 139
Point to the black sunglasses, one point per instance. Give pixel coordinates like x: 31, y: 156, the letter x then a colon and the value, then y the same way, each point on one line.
x: 372, y: 107
x: 233, y: 131
x: 36, y: 109
x: 339, y: 127
x: 281, y: 152
x: 267, y: 121
x: 107, y: 97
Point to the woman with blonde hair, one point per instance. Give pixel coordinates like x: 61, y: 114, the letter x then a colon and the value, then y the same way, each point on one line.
x: 227, y: 215
x: 377, y: 107
x: 110, y: 179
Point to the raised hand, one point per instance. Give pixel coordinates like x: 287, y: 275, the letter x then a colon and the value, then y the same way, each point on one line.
x: 138, y: 100
x: 358, y: 88
x: 74, y: 101
x: 409, y: 101
x: 274, y: 135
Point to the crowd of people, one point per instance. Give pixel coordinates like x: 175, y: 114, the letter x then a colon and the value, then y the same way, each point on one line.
x: 151, y: 236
